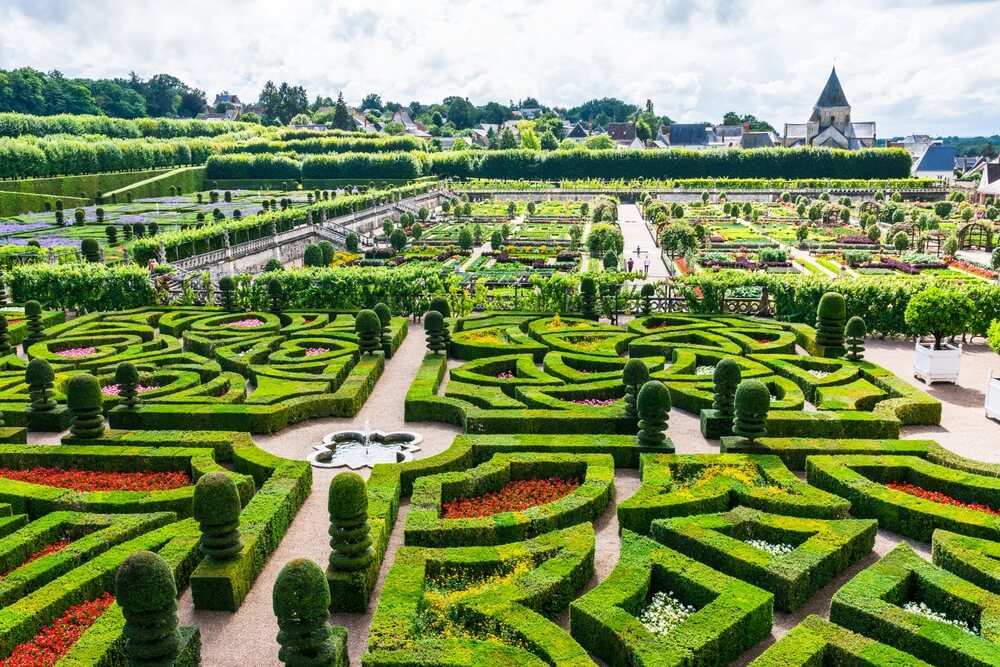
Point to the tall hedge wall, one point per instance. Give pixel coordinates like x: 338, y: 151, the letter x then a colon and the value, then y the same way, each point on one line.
x: 72, y: 186
x: 244, y: 166
x: 28, y: 156
x: 19, y: 124
x: 366, y: 165
x: 335, y: 144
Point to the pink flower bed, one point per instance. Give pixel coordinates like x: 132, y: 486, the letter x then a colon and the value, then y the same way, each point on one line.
x: 115, y: 390
x: 247, y: 323
x: 314, y: 351
x: 595, y: 402
x: 506, y: 375
x: 77, y: 352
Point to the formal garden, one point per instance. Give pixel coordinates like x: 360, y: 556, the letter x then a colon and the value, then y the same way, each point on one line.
x: 269, y: 397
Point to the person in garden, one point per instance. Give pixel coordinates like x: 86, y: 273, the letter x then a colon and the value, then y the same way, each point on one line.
x: 630, y: 264
x: 645, y: 265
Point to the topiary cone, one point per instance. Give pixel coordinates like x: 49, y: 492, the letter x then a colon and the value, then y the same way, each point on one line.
x: 40, y: 378
x: 217, y: 511
x: 385, y: 320
x: 5, y: 347
x: 588, y: 298
x: 753, y: 400
x: 350, y: 537
x: 127, y: 378
x: 726, y: 377
x: 301, y: 601
x: 634, y: 375
x: 147, y: 594
x: 830, y: 317
x: 36, y: 330
x: 855, y: 332
x: 227, y: 287
x: 436, y: 329
x: 653, y: 406
x: 369, y: 330
x: 84, y: 399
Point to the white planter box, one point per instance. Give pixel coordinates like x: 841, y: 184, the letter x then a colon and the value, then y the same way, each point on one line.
x: 993, y: 397
x: 932, y: 365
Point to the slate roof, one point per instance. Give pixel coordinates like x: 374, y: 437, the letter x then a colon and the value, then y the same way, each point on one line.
x: 936, y: 159
x: 756, y: 140
x: 833, y: 93
x: 796, y: 130
x: 689, y: 134
x: 863, y: 130
x: 622, y: 132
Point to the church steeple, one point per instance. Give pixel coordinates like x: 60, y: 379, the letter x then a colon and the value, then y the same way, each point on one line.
x: 833, y: 93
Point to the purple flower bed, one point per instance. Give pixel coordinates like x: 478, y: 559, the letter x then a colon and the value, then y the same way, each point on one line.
x: 854, y: 239
x: 46, y: 242
x: 24, y: 227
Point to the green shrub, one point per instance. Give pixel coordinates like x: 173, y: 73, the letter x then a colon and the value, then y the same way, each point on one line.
x: 40, y: 377
x: 938, y: 312
x: 830, y: 317
x: 437, y: 332
x: 855, y: 332
x: 369, y: 330
x: 36, y: 330
x: 5, y: 346
x: 301, y: 602
x: 90, y: 249
x: 276, y: 295
x: 588, y: 298
x: 352, y: 243
x: 385, y: 320
x: 726, y: 378
x: 653, y: 407
x: 634, y: 375
x: 127, y: 378
x: 227, y: 293
x: 750, y: 407
x: 147, y: 594
x: 313, y: 256
x: 84, y: 399
x: 217, y: 510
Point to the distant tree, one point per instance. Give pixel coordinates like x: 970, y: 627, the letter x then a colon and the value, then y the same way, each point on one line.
x: 371, y: 101
x: 600, y: 142
x: 341, y: 118
x: 506, y: 140
x: 461, y: 113
x: 192, y: 103
x: 548, y: 141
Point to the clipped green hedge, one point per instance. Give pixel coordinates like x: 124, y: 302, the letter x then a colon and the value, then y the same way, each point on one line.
x: 731, y: 616
x: 871, y: 604
x: 861, y: 480
x: 971, y: 558
x: 793, y: 452
x: 670, y: 488
x: 823, y: 549
x: 426, y: 527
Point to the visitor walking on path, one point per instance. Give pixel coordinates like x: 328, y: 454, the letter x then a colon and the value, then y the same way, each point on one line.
x: 630, y: 264
x: 645, y: 265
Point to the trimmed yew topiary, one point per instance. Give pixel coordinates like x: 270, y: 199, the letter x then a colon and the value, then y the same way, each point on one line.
x: 36, y: 330
x: 369, y: 330
x: 5, y: 347
x: 440, y: 304
x: 634, y: 375
x: 647, y: 291
x: 40, y: 377
x: 437, y: 332
x: 753, y: 400
x: 726, y: 377
x: 301, y: 601
x: 830, y: 317
x: 217, y: 511
x: 350, y: 538
x: 84, y: 399
x: 127, y: 379
x: 385, y: 319
x: 855, y: 332
x: 227, y: 293
x: 276, y: 295
x: 91, y: 250
x: 588, y: 298
x: 147, y: 594
x: 653, y: 406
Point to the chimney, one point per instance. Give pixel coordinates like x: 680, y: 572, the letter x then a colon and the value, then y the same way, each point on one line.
x: 746, y: 126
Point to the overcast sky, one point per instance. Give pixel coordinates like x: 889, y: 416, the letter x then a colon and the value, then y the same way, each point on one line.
x: 928, y: 66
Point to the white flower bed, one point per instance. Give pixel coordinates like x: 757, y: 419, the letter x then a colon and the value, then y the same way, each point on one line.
x: 923, y: 610
x: 773, y: 549
x: 664, y: 613
x: 704, y: 370
x: 818, y: 373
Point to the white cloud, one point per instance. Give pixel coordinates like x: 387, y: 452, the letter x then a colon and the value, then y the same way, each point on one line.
x: 914, y: 66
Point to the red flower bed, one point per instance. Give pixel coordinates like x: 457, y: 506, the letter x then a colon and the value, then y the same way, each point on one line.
x: 94, y: 480
x: 517, y: 495
x: 56, y: 639
x: 937, y: 497
x: 50, y: 549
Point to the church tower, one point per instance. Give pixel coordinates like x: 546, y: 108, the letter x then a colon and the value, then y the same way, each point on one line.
x: 831, y: 109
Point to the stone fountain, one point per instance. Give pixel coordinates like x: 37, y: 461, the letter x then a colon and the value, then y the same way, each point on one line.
x: 360, y: 449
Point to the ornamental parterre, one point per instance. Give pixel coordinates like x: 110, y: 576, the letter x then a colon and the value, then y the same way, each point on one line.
x: 98, y: 480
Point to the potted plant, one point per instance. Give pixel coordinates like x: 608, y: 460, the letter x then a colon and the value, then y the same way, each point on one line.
x: 993, y: 383
x: 939, y: 313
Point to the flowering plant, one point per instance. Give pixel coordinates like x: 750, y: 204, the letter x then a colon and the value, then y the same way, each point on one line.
x: 52, y: 548
x: 99, y: 480
x: 247, y: 323
x: 77, y: 352
x: 664, y: 613
x: 595, y: 402
x: 56, y: 639
x: 515, y: 496
x: 938, y: 497
x: 921, y: 609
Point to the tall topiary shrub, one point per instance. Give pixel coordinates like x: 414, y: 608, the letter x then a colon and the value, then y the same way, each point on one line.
x: 369, y: 330
x: 385, y: 320
x: 610, y: 261
x: 147, y: 594
x: 588, y: 298
x: 127, y: 378
x: 36, y: 330
x: 830, y: 317
x: 352, y: 242
x: 436, y: 329
x: 726, y: 378
x: 753, y: 400
x: 91, y: 250
x: 653, y: 406
x: 855, y: 332
x: 276, y: 295
x: 227, y: 293
x: 634, y: 375
x: 647, y: 291
x: 84, y: 399
x: 313, y: 256
x: 440, y: 304
x: 40, y: 378
x: 217, y: 511
x: 350, y: 538
x: 327, y: 249
x: 5, y: 347
x: 111, y: 232
x: 301, y: 603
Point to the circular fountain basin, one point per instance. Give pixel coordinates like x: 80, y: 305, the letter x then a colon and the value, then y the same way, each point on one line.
x: 354, y: 450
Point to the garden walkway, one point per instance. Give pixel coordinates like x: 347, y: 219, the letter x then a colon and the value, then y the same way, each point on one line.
x: 637, y: 236
x: 248, y: 636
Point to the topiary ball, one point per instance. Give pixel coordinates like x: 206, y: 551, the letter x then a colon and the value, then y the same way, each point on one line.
x: 126, y: 373
x: 384, y: 314
x: 83, y: 392
x: 274, y: 288
x: 727, y: 372
x: 856, y: 328
x: 440, y: 304
x: 145, y: 584
x: 216, y: 499
x: 32, y: 308
x: 588, y: 285
x: 348, y: 496
x: 635, y: 372
x: 433, y: 320
x: 39, y: 372
x: 654, y: 396
x: 301, y: 591
x: 753, y: 398
x: 367, y: 321
x: 832, y: 306
x: 648, y: 290
x: 227, y: 284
